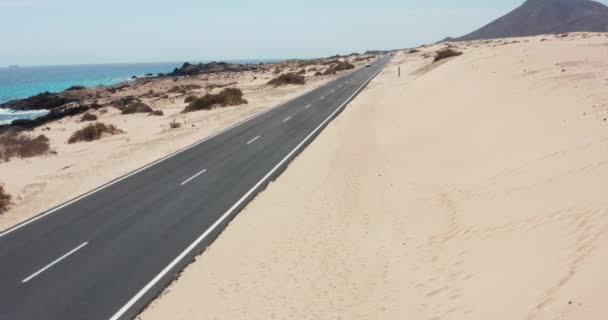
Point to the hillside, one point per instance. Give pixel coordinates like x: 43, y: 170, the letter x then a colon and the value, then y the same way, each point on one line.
x: 536, y: 17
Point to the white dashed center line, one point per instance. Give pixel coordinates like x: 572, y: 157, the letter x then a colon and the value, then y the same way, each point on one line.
x: 308, y: 106
x: 287, y: 119
x: 53, y: 263
x: 193, y: 177
x: 252, y: 140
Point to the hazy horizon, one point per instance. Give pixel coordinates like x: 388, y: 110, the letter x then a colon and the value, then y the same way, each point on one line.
x: 72, y: 32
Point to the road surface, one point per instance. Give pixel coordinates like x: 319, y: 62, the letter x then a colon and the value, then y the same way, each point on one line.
x: 107, y: 254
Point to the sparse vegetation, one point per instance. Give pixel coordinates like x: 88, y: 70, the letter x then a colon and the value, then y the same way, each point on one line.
x: 212, y: 86
x: 156, y: 113
x: 174, y: 124
x: 88, y: 117
x: 184, y: 88
x: 94, y: 131
x: 446, y: 53
x: 5, y: 199
x: 330, y: 62
x: 359, y: 59
x: 339, y: 67
x: 190, y: 99
x: 414, y: 51
x: 227, y: 97
x: 22, y: 146
x: 288, y: 78
x: 136, y: 107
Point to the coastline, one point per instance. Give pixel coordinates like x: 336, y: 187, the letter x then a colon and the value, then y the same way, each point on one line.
x: 15, y: 91
x: 41, y: 182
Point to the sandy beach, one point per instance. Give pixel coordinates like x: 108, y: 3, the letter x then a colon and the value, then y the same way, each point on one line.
x: 40, y: 183
x: 470, y: 188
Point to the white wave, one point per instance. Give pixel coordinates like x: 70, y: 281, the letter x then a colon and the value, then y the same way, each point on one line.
x: 8, y: 115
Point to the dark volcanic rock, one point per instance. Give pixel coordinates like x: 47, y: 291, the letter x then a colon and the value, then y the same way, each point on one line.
x: 45, y: 100
x: 54, y: 114
x: 188, y: 69
x: 75, y: 88
x: 537, y: 17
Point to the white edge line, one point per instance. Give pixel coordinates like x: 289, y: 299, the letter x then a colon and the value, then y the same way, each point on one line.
x: 35, y: 274
x: 136, y: 171
x: 194, y: 177
x: 252, y: 140
x: 198, y: 240
x: 287, y: 119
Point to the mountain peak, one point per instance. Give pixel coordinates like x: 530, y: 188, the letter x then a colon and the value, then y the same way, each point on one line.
x: 536, y: 17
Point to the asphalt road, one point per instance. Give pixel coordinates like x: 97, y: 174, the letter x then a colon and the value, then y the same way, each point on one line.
x: 107, y: 254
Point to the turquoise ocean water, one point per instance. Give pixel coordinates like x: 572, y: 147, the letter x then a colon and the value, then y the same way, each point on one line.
x: 23, y: 82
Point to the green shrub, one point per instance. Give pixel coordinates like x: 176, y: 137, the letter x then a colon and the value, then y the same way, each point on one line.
x: 93, y: 131
x: 226, y: 97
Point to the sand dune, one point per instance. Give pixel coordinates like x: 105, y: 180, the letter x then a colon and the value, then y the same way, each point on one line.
x: 470, y: 189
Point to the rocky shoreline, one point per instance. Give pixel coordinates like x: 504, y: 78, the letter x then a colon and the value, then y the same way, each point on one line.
x: 187, y: 78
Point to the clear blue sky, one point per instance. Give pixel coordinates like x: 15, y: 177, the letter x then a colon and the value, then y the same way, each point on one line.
x: 44, y: 32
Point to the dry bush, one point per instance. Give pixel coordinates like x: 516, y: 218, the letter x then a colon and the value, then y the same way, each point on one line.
x: 5, y: 199
x: 93, y: 131
x: 156, y: 113
x: 359, y: 59
x: 212, y: 86
x: 88, y: 117
x: 288, y: 78
x: 414, y: 51
x: 330, y: 62
x: 339, y: 67
x: 183, y: 88
x: 190, y: 99
x: 22, y: 146
x: 174, y: 124
x: 136, y: 107
x: 226, y: 97
x: 446, y: 53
